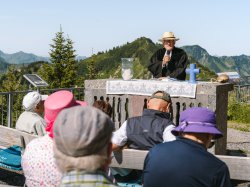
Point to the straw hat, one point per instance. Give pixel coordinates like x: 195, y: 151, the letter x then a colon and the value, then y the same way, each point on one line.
x: 168, y: 36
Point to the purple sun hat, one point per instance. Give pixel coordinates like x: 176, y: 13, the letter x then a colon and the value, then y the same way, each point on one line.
x: 198, y: 120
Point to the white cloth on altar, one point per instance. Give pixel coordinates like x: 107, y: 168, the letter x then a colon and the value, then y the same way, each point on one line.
x: 147, y: 87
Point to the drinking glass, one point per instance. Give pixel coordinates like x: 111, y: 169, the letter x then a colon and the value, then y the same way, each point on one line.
x: 127, y: 68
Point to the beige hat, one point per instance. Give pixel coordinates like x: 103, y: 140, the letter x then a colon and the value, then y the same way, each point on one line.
x: 31, y: 99
x: 168, y: 36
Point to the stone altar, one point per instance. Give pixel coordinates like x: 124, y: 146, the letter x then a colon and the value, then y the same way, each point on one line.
x: 211, y: 95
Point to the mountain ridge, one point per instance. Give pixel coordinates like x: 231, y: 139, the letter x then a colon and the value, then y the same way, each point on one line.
x: 141, y: 49
x: 108, y: 64
x: 21, y: 57
x: 239, y: 63
x: 3, y: 65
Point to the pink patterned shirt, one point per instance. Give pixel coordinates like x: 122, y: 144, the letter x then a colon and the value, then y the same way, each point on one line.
x: 39, y: 165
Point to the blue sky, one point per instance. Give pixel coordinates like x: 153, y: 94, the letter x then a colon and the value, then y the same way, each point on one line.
x: 222, y: 27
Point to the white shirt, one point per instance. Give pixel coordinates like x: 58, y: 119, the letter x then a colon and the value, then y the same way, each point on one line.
x: 120, y: 136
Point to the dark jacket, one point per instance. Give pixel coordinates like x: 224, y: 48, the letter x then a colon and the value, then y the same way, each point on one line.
x: 184, y: 163
x: 176, y: 67
x: 145, y: 131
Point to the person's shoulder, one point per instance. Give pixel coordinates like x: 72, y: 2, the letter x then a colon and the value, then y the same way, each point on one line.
x: 21, y: 116
x: 215, y: 159
x: 38, y: 118
x: 28, y: 114
x: 133, y: 118
x: 24, y: 113
x: 40, y: 140
x: 164, y: 146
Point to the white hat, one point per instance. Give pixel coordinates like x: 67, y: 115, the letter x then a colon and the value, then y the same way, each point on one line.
x: 168, y: 36
x: 31, y: 99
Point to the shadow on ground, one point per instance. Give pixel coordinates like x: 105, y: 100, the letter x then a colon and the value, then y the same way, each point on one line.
x: 237, y: 153
x: 11, y: 178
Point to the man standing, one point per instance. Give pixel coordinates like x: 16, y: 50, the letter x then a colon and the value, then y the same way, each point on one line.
x: 169, y: 61
x: 31, y: 120
x: 186, y: 161
x: 82, y: 146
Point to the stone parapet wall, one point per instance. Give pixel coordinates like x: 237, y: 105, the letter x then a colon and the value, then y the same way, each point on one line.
x: 211, y: 95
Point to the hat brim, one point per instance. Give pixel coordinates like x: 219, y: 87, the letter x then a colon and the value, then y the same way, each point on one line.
x: 175, y: 39
x: 82, y: 103
x: 44, y: 97
x: 198, y: 129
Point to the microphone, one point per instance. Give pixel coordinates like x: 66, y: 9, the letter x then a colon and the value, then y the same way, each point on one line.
x: 167, y: 53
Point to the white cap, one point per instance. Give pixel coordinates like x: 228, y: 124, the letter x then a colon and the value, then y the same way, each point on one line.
x: 31, y: 99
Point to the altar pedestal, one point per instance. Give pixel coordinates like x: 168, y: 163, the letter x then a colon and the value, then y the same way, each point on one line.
x: 210, y: 95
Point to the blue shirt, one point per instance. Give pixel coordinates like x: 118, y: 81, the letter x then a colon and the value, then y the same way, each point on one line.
x: 184, y: 163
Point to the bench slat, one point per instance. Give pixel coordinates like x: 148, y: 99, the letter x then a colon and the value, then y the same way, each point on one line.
x: 239, y: 167
x: 10, y: 137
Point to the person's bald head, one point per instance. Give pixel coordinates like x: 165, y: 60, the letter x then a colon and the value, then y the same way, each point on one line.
x: 159, y: 100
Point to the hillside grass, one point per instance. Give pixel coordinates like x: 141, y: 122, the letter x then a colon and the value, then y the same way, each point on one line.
x: 238, y: 114
x: 239, y: 126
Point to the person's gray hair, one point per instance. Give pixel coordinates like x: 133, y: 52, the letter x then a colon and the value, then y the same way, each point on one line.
x: 88, y: 163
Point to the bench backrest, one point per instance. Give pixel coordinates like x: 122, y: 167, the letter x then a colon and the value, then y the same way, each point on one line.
x: 239, y: 167
x: 10, y: 137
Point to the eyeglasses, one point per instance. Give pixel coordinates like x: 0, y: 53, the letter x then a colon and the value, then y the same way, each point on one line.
x: 168, y: 41
x: 211, y: 144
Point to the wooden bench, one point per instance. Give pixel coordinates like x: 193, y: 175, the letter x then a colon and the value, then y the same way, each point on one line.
x: 10, y: 137
x: 239, y: 167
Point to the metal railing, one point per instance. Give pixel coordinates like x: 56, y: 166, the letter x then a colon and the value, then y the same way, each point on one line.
x: 241, y: 93
x: 11, y: 103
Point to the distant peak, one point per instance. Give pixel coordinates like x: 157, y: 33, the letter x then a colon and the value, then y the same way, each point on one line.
x: 196, y: 49
x: 143, y: 39
x: 21, y: 52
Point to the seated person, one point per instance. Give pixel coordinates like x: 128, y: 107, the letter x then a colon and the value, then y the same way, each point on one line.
x: 186, y: 161
x: 31, y: 120
x: 82, y: 146
x: 38, y: 161
x: 103, y: 106
x: 144, y: 132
